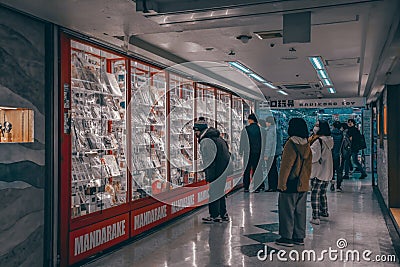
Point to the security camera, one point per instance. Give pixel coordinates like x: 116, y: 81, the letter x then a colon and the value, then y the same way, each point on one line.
x: 271, y: 44
x: 244, y: 38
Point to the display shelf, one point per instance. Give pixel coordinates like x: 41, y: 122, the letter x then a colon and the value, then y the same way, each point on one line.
x: 98, y: 157
x: 106, y: 178
x: 148, y: 86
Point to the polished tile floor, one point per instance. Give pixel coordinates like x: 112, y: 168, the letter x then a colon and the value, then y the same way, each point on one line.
x: 355, y: 216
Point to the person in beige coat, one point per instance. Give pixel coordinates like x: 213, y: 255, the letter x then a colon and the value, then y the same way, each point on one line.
x: 322, y: 169
x: 293, y: 184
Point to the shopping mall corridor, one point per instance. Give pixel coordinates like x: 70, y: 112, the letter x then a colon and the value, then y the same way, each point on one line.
x: 355, y: 216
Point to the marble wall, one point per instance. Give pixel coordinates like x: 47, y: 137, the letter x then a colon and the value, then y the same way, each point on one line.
x: 22, y: 166
x: 382, y: 169
x: 382, y: 163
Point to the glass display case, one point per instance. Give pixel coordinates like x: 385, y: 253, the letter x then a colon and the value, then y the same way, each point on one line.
x: 205, y: 107
x: 148, y: 108
x: 224, y: 116
x: 181, y: 142
x: 237, y: 126
x: 98, y: 132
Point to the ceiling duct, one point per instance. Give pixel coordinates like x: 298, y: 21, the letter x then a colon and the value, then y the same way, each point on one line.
x: 343, y: 62
x: 311, y: 86
x: 269, y: 34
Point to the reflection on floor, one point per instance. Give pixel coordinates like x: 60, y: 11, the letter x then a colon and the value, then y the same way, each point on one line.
x: 355, y: 216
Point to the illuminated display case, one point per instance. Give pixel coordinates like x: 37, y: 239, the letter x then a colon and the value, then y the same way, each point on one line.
x: 98, y: 96
x: 148, y: 120
x: 181, y: 143
x: 127, y: 143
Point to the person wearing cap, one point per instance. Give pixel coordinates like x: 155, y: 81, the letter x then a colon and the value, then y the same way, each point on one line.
x: 251, y: 147
x: 216, y: 165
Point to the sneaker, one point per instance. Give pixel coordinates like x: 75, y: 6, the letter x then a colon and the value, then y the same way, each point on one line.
x: 363, y: 176
x: 257, y: 191
x: 298, y: 241
x: 315, y: 221
x: 270, y: 190
x: 339, y: 189
x: 246, y: 190
x: 284, y: 242
x: 225, y: 218
x: 211, y: 220
x: 324, y: 214
x: 332, y: 187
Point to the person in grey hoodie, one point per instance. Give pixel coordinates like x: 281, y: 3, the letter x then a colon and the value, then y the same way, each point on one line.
x: 322, y: 169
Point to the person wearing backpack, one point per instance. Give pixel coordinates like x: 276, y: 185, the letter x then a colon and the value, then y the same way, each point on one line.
x: 355, y: 137
x: 337, y: 136
x: 322, y: 169
x: 293, y: 184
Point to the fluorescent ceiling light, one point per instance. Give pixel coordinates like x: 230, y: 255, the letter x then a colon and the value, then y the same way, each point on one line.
x: 270, y: 85
x: 327, y: 82
x: 256, y: 77
x: 331, y: 90
x: 282, y: 92
x: 317, y: 63
x: 322, y: 74
x: 239, y: 66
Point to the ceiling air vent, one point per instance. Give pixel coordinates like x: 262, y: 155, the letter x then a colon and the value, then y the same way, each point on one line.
x: 297, y: 86
x: 343, y: 62
x: 269, y: 34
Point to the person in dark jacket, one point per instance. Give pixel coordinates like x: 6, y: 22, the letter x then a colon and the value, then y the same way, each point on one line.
x: 337, y: 136
x: 355, y: 135
x: 251, y: 147
x: 216, y: 165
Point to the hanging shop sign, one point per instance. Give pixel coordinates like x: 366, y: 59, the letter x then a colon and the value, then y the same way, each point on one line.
x: 313, y: 103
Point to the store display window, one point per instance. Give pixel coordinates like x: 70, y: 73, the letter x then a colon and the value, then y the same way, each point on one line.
x: 148, y: 121
x: 16, y: 125
x: 237, y: 126
x: 98, y: 131
x: 181, y: 141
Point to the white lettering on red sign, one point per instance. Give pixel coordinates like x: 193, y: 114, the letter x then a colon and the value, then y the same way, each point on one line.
x: 150, y: 216
x: 98, y: 237
x: 201, y: 196
x: 182, y: 203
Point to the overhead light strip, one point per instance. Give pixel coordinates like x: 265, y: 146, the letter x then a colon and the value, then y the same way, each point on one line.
x: 239, y: 66
x: 319, y: 67
x: 282, y: 92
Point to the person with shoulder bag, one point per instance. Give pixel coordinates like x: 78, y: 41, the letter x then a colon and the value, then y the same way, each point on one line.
x: 293, y: 184
x: 322, y: 169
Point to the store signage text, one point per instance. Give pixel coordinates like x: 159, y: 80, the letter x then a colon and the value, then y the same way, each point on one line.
x: 150, y: 216
x: 313, y: 103
x: 98, y: 237
x: 182, y: 203
x: 202, y: 196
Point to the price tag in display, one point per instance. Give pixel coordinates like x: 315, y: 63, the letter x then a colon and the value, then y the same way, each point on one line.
x: 67, y: 122
x: 111, y: 162
x: 67, y: 96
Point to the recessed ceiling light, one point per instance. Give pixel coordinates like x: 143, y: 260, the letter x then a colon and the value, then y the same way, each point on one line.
x: 256, y: 77
x: 239, y: 66
x: 331, y: 90
x: 282, y: 92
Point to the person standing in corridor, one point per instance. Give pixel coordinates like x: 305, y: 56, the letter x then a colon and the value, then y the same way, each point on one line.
x: 355, y: 137
x: 251, y: 147
x: 293, y: 184
x: 322, y: 169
